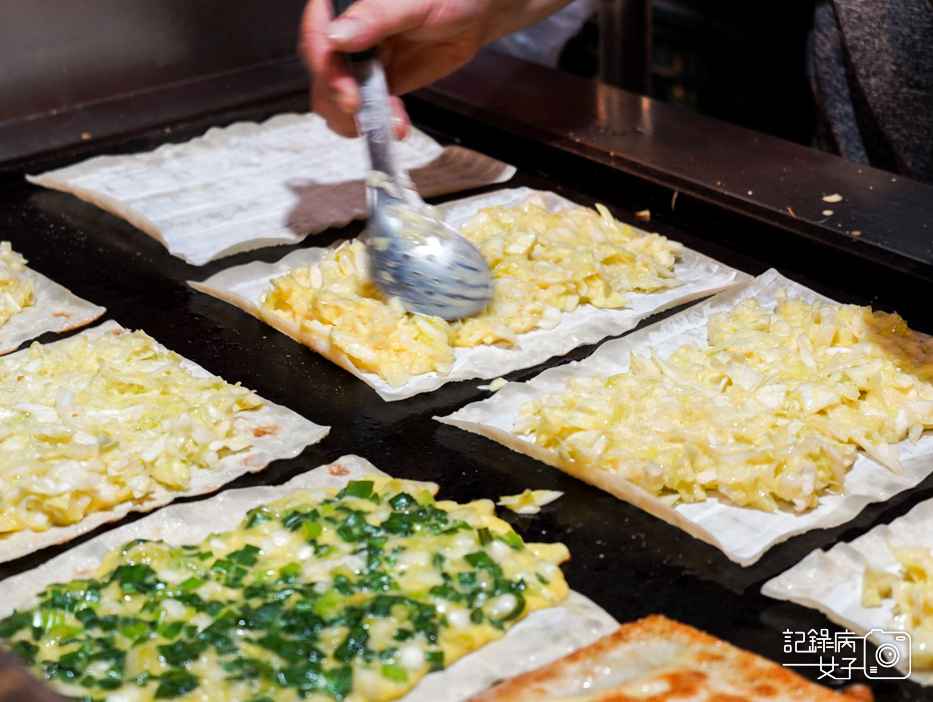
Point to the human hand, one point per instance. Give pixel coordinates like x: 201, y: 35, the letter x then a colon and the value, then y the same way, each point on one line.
x: 419, y: 42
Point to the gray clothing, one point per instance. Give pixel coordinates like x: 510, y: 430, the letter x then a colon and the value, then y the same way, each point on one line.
x: 870, y: 66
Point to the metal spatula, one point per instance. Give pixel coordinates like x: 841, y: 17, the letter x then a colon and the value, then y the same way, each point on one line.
x: 413, y: 255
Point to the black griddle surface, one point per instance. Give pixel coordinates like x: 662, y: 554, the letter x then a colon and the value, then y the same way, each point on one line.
x: 630, y: 563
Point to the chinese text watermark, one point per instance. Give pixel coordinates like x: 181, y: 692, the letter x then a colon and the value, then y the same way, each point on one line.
x: 836, y: 655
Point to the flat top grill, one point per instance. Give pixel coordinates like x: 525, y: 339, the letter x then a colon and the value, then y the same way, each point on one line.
x: 591, y: 144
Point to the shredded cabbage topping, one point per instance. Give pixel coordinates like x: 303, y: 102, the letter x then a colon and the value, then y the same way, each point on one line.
x: 16, y: 291
x: 771, y: 412
x: 543, y: 264
x: 103, y: 418
x: 911, y: 589
x: 529, y: 501
x: 336, y: 300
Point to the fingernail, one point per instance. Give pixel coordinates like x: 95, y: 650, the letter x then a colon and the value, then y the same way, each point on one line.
x: 343, y: 102
x: 343, y: 30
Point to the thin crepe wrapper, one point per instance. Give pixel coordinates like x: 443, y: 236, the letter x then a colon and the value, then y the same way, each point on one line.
x: 541, y: 637
x: 251, y: 185
x: 244, y: 286
x: 831, y: 581
x: 741, y: 533
x: 55, y: 310
x: 278, y: 431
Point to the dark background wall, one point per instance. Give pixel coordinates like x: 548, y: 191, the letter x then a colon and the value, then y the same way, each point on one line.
x: 67, y: 67
x: 736, y: 60
x: 58, y: 53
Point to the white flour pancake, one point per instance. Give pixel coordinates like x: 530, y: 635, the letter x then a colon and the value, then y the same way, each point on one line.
x: 251, y: 185
x: 742, y: 533
x: 55, y: 310
x: 543, y: 636
x: 831, y: 581
x: 279, y: 433
x: 244, y: 286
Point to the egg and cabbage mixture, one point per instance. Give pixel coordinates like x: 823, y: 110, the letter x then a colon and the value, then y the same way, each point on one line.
x: 16, y: 291
x: 770, y: 413
x: 102, y: 418
x: 321, y: 595
x: 543, y: 264
x: 911, y: 590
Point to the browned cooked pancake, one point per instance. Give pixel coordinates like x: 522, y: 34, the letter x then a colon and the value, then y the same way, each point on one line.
x: 655, y: 660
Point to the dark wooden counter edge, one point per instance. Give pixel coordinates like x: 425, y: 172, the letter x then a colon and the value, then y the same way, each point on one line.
x: 882, y: 217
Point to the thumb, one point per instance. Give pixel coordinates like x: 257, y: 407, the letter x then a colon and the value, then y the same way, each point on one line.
x: 368, y: 22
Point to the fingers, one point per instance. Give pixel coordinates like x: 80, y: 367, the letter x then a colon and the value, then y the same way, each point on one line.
x: 368, y: 22
x: 337, y: 120
x: 345, y: 125
x: 334, y: 93
x: 400, y: 119
x: 315, y: 47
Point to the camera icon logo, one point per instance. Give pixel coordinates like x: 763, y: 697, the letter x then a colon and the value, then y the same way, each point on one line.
x: 893, y: 651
